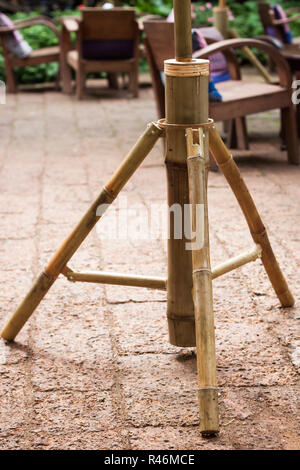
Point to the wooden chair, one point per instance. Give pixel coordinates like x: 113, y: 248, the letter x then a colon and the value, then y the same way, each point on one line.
x: 240, y: 98
x: 36, y: 57
x: 269, y: 21
x: 101, y: 29
x: 291, y: 52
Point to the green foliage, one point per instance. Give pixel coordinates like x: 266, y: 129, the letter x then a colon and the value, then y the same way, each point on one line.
x: 246, y: 22
x: 155, y: 7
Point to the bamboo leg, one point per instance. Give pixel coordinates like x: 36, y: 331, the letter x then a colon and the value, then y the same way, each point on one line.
x: 256, y: 226
x: 202, y: 286
x: 75, y: 239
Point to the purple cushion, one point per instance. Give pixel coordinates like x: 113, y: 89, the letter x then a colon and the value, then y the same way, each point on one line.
x: 108, y: 50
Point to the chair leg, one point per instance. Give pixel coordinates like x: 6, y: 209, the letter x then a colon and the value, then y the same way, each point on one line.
x: 113, y: 80
x: 237, y: 137
x: 290, y: 134
x: 58, y: 79
x: 231, y: 137
x: 242, y: 134
x: 10, y: 79
x: 298, y: 118
x: 281, y: 133
x: 226, y: 126
x: 80, y: 81
x: 66, y: 78
x: 134, y: 84
x: 297, y: 77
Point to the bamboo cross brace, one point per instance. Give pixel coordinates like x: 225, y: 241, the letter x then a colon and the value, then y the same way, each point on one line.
x: 159, y: 283
x: 117, y: 279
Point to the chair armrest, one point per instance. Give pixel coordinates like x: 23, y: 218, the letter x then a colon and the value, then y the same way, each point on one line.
x: 232, y: 62
x: 146, y: 17
x: 37, y: 20
x: 292, y: 10
x: 289, y: 19
x: 283, y: 70
x: 275, y: 42
x: 71, y: 24
x: 6, y: 29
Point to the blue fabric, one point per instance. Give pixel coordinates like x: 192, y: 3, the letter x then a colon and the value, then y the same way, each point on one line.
x: 222, y: 77
x: 213, y: 93
x: 271, y: 32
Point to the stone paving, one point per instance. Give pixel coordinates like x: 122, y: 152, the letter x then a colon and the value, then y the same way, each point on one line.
x: 93, y: 368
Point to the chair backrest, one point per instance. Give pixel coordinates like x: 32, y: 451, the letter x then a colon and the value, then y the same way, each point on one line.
x: 160, y: 35
x: 266, y: 17
x: 108, y: 34
x: 114, y: 24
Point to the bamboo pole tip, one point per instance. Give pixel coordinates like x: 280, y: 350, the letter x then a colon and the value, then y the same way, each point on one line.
x: 7, y: 335
x: 209, y: 411
x: 287, y: 299
x: 182, y: 332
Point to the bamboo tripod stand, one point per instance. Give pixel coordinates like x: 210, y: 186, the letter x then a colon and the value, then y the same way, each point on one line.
x: 189, y: 137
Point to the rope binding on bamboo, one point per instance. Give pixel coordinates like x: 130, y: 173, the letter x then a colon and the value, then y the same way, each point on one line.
x: 163, y: 124
x: 191, y: 68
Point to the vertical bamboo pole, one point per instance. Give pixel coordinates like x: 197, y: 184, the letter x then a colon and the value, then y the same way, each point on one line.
x: 220, y: 15
x: 75, y: 239
x: 221, y: 23
x: 183, y: 30
x: 198, y: 163
x: 256, y: 226
x: 186, y: 102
